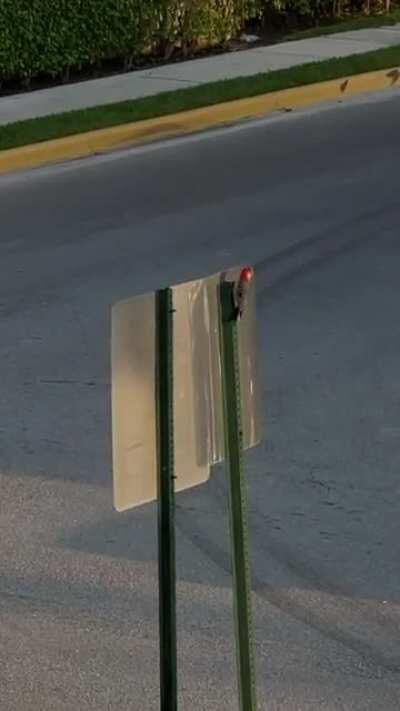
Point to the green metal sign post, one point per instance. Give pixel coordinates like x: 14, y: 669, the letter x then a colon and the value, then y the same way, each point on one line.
x: 230, y: 313
x: 166, y: 501
x: 166, y: 369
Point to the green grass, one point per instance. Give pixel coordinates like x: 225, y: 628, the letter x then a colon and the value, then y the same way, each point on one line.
x: 67, y: 124
x: 360, y: 22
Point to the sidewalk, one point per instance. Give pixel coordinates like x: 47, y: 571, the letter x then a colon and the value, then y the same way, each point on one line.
x: 153, y: 81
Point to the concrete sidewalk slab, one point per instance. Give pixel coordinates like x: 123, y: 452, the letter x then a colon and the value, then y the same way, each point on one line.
x: 386, y: 37
x: 326, y: 48
x: 228, y: 66
x: 149, y: 82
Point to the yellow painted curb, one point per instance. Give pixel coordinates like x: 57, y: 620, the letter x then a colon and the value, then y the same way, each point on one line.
x: 93, y: 142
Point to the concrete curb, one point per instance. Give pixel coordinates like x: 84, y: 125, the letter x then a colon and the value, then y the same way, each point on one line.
x: 94, y: 142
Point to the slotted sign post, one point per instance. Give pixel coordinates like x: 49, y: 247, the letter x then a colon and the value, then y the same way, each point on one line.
x: 230, y: 313
x: 185, y: 396
x: 166, y: 503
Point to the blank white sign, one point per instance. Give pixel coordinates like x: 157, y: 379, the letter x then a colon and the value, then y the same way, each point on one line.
x: 198, y: 421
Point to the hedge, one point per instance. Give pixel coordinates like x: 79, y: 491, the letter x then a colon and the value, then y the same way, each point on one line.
x: 53, y: 36
x: 322, y: 9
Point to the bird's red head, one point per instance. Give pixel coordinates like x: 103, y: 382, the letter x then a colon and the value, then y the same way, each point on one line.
x: 246, y: 275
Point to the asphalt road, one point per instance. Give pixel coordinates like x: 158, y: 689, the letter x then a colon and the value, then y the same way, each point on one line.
x: 313, y: 201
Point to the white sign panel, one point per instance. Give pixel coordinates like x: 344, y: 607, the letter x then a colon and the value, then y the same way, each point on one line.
x: 198, y: 423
